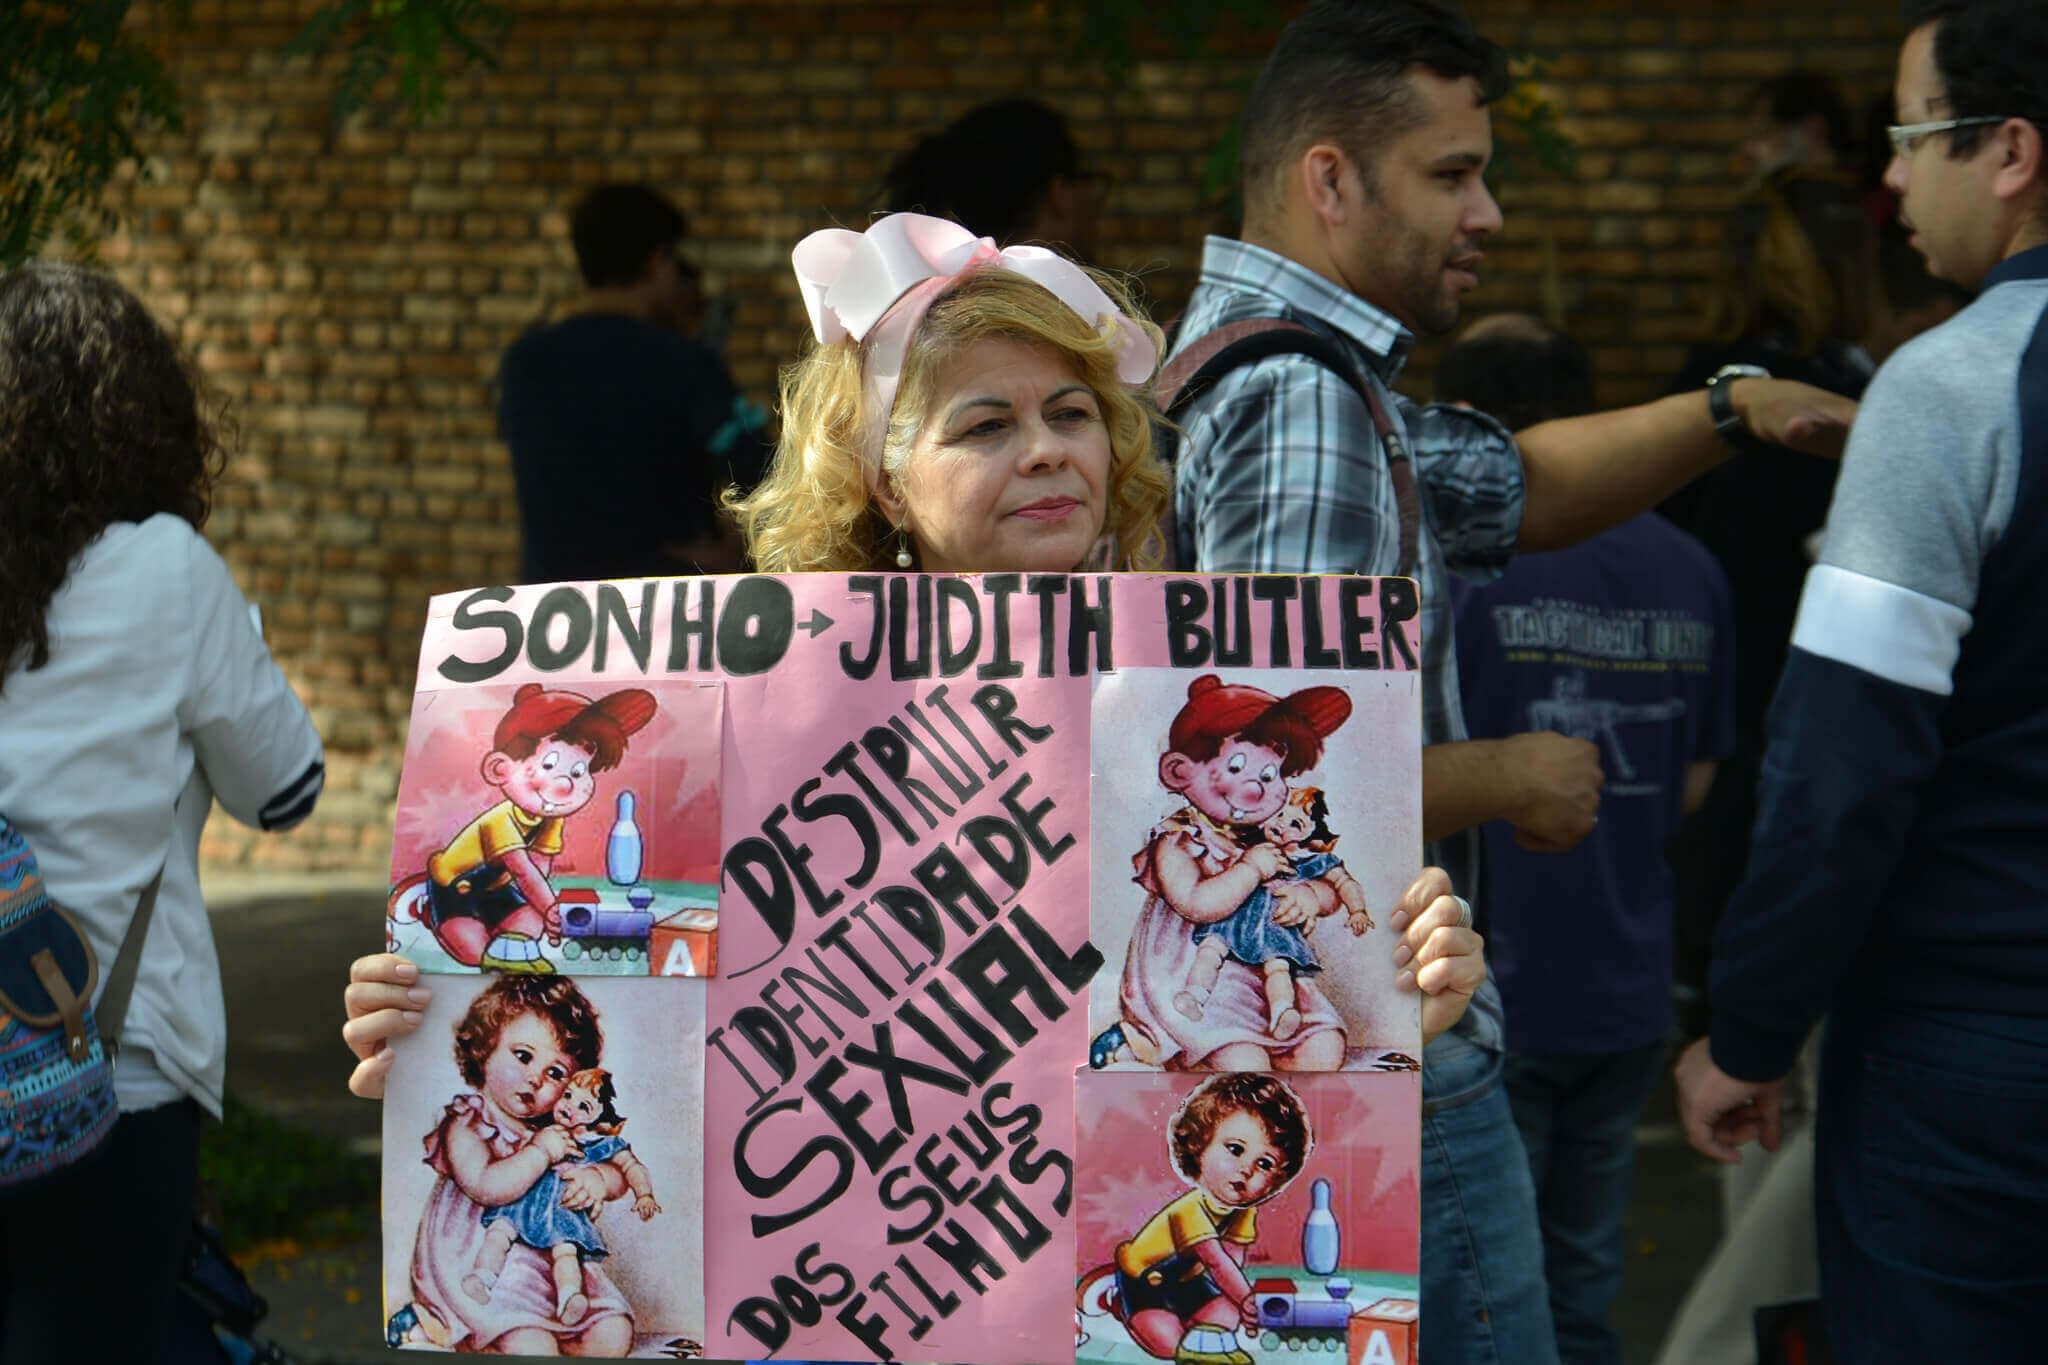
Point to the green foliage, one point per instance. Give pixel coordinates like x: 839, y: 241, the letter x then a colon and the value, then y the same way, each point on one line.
x: 272, y: 1181
x: 1109, y: 30
x: 81, y: 94
x: 78, y: 96
x: 1528, y: 109
x: 421, y: 39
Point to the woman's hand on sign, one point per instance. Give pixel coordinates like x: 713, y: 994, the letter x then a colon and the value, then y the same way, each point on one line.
x: 384, y: 1000
x: 1438, y: 953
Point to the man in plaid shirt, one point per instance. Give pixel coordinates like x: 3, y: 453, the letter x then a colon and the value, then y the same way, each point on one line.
x: 1363, y: 149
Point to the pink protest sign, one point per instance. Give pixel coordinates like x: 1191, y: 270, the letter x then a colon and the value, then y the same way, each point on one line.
x: 925, y: 849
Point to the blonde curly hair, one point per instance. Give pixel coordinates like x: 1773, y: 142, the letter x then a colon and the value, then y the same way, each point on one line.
x: 816, y: 509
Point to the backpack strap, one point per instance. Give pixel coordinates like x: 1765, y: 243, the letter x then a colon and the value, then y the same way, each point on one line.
x: 113, y: 1007
x: 1208, y: 358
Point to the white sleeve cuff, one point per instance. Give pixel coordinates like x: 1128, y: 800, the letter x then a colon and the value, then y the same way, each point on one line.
x: 1888, y: 631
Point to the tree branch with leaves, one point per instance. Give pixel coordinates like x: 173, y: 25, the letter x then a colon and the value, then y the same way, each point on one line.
x: 85, y: 88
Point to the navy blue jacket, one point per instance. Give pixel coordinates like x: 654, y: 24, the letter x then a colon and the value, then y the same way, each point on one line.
x: 1901, y: 847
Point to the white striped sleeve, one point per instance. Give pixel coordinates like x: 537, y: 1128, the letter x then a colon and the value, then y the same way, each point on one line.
x: 1888, y: 631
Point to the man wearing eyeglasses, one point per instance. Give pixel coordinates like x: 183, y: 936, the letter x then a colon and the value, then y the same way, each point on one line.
x: 1898, y: 881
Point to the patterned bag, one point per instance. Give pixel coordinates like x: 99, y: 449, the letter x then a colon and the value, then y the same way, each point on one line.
x: 56, y: 1072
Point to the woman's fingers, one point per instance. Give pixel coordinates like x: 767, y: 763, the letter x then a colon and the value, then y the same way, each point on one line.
x: 386, y: 968
x: 1438, y: 954
x: 366, y: 1034
x: 367, y: 1080
x: 1417, y: 922
x: 361, y: 998
x: 383, y: 1000
x: 1432, y: 885
x: 1447, y: 956
x: 1453, y: 960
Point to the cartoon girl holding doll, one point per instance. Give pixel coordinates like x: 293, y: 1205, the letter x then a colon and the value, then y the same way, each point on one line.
x: 1230, y: 754
x: 522, y: 1041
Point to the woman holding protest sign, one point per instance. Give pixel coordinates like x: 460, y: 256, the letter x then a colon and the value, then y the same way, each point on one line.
x: 965, y: 410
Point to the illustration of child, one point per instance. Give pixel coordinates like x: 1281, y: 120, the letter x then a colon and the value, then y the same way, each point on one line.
x: 1230, y: 753
x: 519, y: 1044
x: 1181, y: 1290
x: 489, y: 900
x: 1302, y: 832
x: 586, y: 1132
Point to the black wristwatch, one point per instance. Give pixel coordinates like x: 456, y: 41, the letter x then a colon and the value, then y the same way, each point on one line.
x: 1721, y: 408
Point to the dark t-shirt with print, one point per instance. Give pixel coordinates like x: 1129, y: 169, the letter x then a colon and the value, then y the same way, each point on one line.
x: 1626, y: 641
x: 622, y: 433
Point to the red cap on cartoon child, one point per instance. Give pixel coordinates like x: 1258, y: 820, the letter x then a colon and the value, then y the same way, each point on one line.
x: 1216, y: 710
x: 601, y: 725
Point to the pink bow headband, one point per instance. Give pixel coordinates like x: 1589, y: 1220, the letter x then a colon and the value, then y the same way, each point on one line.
x: 876, y: 286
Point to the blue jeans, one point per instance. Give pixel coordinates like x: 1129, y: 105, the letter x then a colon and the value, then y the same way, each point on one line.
x: 1931, y: 1185
x: 1483, y: 1301
x: 1577, y: 1117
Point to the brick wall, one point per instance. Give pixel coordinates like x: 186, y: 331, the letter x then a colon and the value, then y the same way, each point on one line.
x: 349, y: 288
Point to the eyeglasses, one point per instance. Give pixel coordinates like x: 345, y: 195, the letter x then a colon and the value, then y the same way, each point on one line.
x: 1906, y: 136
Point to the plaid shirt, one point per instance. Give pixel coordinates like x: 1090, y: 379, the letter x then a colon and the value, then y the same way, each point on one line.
x: 1280, y: 471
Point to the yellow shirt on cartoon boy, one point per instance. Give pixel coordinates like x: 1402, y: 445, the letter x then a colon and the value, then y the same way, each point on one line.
x: 1177, y: 1228
x: 489, y: 837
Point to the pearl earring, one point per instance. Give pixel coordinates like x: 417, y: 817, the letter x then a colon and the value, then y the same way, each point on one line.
x: 903, y: 559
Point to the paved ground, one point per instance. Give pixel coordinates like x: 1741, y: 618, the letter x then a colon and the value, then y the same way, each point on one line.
x: 284, y: 957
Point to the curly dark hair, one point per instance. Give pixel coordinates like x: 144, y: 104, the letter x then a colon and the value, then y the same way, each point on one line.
x: 100, y: 422
x: 553, y: 998
x: 1216, y: 1099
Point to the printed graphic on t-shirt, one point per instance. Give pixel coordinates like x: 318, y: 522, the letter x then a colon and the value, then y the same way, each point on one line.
x: 1605, y: 643
x: 1570, y: 709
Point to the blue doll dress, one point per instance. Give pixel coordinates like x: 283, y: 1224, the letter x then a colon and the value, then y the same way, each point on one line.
x: 538, y: 1216
x: 1249, y: 933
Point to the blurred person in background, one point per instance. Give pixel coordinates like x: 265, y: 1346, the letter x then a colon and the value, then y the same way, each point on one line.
x: 1798, y: 122
x: 1792, y: 300
x: 623, y: 428
x: 1008, y: 170
x: 1909, y: 299
x: 1582, y: 939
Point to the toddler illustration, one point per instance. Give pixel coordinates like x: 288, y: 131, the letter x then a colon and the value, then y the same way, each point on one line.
x: 1181, y: 1290
x: 586, y: 1132
x: 1302, y: 833
x: 1230, y: 755
x: 519, y: 1045
x: 489, y: 898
